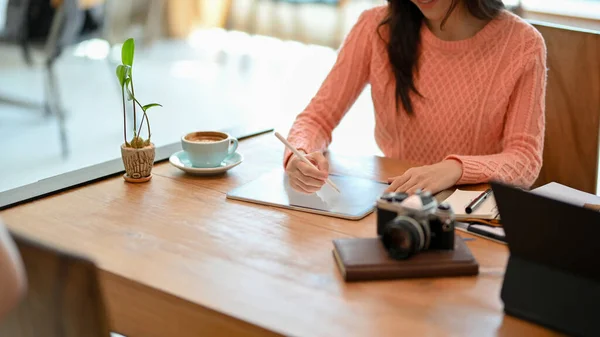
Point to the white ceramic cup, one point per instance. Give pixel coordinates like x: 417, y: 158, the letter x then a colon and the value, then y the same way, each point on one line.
x: 208, y: 148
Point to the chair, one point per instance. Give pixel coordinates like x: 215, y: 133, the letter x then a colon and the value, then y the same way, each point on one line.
x: 571, y: 150
x: 64, y: 297
x: 65, y: 29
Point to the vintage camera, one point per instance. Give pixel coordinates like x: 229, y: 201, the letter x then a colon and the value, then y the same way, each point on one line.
x: 410, y: 224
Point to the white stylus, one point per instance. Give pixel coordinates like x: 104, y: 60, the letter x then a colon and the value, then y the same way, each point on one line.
x: 301, y: 156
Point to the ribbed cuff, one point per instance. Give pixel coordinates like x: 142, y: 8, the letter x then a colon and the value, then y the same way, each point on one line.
x: 288, y: 154
x: 470, y: 170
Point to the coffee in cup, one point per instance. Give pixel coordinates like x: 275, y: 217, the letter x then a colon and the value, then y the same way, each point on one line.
x: 208, y: 148
x: 198, y: 137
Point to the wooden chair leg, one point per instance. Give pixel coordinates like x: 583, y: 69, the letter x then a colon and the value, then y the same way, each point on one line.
x: 338, y: 36
x: 251, y: 22
x: 297, y: 24
x: 228, y: 15
x: 154, y: 21
x: 275, y: 23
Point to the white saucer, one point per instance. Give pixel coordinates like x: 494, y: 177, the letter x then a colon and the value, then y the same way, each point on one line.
x: 181, y: 161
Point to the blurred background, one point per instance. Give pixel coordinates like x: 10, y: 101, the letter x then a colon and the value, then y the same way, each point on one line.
x: 212, y: 64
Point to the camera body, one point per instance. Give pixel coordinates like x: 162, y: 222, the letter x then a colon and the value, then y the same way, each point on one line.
x: 410, y: 224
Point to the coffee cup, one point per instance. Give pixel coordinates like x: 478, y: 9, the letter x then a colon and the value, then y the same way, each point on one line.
x: 208, y: 148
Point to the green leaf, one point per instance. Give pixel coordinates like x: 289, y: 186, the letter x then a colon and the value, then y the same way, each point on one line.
x: 127, y: 52
x: 151, y: 105
x: 122, y: 73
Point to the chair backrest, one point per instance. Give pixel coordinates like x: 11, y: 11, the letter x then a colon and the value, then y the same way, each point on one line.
x: 64, y: 297
x: 572, y: 107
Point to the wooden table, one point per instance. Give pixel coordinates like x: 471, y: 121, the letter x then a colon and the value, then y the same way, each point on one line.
x: 179, y: 259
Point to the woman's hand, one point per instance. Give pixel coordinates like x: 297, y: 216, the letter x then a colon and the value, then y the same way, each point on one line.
x: 433, y: 178
x: 303, y: 177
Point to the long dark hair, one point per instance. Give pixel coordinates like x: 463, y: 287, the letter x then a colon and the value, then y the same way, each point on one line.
x: 404, y: 20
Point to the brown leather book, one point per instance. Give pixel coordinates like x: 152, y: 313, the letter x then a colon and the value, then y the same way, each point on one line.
x: 363, y: 259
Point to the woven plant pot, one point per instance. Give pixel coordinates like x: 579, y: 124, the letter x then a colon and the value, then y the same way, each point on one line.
x: 138, y: 162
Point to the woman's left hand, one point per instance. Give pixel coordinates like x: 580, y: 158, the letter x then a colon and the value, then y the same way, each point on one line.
x: 433, y: 178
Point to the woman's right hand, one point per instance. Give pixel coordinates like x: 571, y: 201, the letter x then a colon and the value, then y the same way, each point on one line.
x: 304, y: 178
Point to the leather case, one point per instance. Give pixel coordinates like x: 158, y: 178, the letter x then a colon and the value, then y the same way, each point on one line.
x: 363, y: 259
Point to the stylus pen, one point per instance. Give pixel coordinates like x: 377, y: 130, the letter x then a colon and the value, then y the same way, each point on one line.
x: 478, y: 201
x: 299, y: 155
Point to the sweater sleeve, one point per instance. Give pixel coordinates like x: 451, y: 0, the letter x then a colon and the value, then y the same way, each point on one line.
x: 520, y: 161
x: 313, y: 127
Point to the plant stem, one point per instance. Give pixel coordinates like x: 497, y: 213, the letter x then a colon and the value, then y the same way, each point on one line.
x: 142, y: 121
x: 148, y: 124
x: 124, y: 116
x: 144, y: 116
x: 135, y: 135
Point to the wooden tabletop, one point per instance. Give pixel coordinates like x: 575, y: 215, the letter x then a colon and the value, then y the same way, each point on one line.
x: 179, y: 259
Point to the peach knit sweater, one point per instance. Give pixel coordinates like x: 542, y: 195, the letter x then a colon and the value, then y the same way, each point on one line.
x: 482, y: 105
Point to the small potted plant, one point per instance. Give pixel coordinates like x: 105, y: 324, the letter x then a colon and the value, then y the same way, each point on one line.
x: 137, y: 153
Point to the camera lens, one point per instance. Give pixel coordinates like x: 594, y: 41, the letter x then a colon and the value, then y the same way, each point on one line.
x: 403, y: 237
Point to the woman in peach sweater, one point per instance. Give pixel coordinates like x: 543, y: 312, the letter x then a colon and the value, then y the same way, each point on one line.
x: 457, y: 85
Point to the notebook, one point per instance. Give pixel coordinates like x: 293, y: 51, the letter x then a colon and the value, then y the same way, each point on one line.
x: 569, y: 195
x: 460, y: 199
x: 364, y: 259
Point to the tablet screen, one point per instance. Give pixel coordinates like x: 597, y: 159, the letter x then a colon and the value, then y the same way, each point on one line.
x: 356, y: 200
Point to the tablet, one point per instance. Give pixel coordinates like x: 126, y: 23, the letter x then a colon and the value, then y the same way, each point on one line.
x: 356, y: 200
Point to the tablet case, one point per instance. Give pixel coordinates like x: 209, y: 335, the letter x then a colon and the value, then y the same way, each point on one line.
x: 553, y: 273
x: 364, y: 259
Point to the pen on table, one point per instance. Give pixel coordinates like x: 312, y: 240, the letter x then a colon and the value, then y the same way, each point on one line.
x: 478, y: 201
x: 301, y: 156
